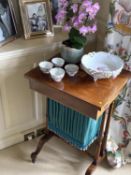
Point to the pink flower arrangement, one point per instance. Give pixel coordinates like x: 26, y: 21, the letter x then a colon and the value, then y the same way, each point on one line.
x: 78, y: 18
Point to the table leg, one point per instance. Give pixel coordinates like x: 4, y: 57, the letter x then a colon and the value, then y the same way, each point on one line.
x: 42, y: 141
x: 110, y: 112
x: 102, y: 140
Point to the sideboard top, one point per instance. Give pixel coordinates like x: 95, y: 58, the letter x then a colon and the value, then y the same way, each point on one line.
x: 20, y: 46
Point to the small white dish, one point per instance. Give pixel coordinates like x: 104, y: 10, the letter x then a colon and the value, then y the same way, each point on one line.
x: 57, y: 74
x: 45, y: 66
x: 59, y: 62
x: 71, y: 69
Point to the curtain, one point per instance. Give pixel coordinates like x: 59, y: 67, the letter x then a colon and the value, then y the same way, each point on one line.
x: 118, y: 41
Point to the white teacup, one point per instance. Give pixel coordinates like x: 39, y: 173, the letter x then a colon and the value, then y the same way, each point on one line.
x: 57, y: 74
x: 59, y: 62
x: 45, y: 66
x: 71, y: 69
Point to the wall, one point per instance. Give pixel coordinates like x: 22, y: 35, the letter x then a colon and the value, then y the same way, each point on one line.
x: 102, y: 18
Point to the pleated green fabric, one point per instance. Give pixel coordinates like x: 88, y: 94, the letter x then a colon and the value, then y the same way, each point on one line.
x: 75, y: 128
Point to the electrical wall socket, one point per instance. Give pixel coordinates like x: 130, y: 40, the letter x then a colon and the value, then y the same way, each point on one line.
x: 40, y: 132
x: 29, y: 136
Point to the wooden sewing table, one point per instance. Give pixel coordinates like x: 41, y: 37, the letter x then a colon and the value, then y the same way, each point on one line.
x: 84, y: 95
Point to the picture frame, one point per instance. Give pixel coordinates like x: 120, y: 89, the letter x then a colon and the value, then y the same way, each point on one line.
x: 8, y: 23
x: 36, y: 18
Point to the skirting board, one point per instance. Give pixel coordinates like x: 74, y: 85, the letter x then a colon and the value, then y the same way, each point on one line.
x: 17, y: 138
x: 11, y: 140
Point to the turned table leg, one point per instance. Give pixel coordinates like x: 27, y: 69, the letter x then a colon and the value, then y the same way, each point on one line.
x: 102, y: 140
x: 42, y: 141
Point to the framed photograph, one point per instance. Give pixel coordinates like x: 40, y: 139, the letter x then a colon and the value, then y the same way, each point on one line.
x: 8, y: 29
x: 36, y: 18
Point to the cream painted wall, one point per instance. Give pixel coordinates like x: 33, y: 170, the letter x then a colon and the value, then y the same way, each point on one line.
x: 102, y: 18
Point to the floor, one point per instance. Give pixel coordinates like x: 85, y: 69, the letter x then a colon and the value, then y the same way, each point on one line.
x: 57, y: 158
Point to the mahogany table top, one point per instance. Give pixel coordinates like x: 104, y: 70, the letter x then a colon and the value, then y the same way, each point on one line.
x: 80, y: 92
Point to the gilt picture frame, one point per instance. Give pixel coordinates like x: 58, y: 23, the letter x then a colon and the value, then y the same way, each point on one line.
x: 8, y: 23
x: 36, y: 18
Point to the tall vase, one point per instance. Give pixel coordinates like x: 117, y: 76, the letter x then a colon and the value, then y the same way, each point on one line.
x: 71, y: 55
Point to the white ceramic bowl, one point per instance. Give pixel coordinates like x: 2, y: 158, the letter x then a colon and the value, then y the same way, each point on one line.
x: 102, y: 65
x: 71, y: 69
x: 57, y: 74
x: 59, y: 62
x: 45, y: 66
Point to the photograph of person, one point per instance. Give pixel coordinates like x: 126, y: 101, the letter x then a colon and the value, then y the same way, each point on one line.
x: 7, y: 26
x: 37, y: 17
